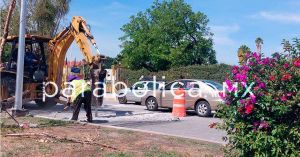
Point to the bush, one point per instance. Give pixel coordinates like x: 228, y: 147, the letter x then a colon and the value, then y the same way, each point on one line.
x: 216, y: 72
x: 264, y: 121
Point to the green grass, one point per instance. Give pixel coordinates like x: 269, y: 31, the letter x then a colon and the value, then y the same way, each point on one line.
x: 9, y: 125
x: 51, y: 123
x: 12, y: 128
x: 119, y: 154
x: 154, y: 151
x: 41, y: 122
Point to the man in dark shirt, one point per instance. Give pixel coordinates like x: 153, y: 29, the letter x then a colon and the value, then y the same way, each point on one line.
x: 15, y: 53
x: 98, y: 74
x: 102, y: 76
x: 31, y: 61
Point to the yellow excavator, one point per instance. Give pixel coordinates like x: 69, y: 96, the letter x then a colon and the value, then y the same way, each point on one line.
x: 50, y: 64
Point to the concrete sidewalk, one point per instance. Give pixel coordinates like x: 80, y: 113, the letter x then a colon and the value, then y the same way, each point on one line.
x: 132, y: 116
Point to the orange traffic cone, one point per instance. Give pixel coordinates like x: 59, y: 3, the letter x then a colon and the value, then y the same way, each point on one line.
x: 179, y: 103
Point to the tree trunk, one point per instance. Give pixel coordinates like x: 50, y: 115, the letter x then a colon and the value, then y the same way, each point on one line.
x: 6, y: 26
x: 257, y: 47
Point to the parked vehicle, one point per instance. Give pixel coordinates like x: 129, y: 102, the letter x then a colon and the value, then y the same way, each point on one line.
x: 201, y: 96
x: 137, y: 91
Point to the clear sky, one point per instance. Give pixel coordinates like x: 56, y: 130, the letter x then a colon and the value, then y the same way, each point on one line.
x: 233, y: 22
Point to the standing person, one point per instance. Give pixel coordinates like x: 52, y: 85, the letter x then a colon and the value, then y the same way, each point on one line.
x: 81, y: 94
x: 15, y: 53
x: 30, y: 61
x: 85, y: 69
x: 95, y: 71
x: 101, y: 78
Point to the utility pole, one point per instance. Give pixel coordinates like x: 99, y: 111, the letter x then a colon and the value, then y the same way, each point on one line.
x: 17, y: 110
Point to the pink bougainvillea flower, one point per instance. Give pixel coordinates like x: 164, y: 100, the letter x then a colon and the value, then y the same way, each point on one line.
x: 255, y: 126
x: 243, y: 72
x: 266, y: 61
x: 228, y: 83
x: 254, y: 76
x: 272, y: 78
x: 286, y: 65
x: 250, y: 63
x: 222, y: 95
x: 245, y: 68
x: 289, y: 94
x: 249, y: 108
x: 244, y: 84
x: 240, y: 77
x: 272, y: 62
x: 297, y: 63
x: 235, y: 69
x: 242, y: 101
x: 286, y: 77
x: 256, y: 56
x: 230, y: 87
x: 283, y: 98
x: 264, y: 125
x: 253, y: 98
x: 262, y: 85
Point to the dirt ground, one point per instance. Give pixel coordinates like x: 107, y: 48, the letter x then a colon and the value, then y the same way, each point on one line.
x: 121, y: 143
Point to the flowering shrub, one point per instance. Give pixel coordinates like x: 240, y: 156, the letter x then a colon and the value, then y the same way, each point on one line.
x: 261, y: 110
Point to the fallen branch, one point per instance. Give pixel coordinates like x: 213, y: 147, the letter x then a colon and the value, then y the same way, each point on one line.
x: 60, y: 139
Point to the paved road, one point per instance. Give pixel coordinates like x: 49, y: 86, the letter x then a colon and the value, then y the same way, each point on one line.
x: 137, y: 117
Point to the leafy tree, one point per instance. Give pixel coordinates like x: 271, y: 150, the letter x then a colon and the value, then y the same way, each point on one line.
x: 48, y: 18
x: 43, y: 16
x: 109, y: 62
x: 216, y: 72
x: 242, y: 52
x: 167, y: 34
x: 5, y: 56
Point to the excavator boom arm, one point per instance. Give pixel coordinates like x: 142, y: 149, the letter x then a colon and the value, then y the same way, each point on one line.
x: 78, y: 31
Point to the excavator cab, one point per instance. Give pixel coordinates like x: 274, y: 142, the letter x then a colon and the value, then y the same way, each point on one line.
x: 35, y: 47
x: 34, y: 72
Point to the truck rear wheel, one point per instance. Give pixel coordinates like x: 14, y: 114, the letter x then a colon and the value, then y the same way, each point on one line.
x: 47, y: 102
